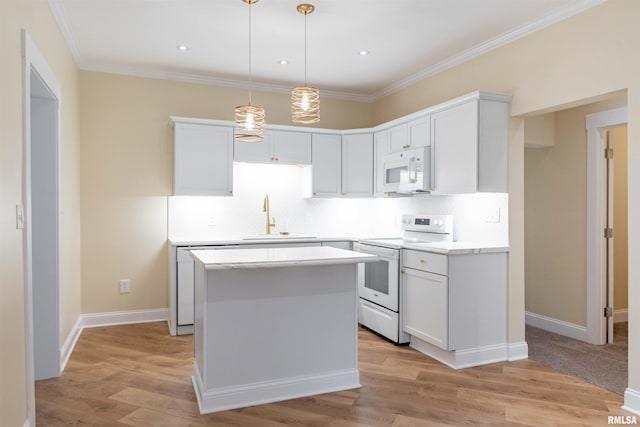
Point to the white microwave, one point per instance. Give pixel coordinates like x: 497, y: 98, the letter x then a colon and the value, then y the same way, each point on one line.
x: 408, y: 171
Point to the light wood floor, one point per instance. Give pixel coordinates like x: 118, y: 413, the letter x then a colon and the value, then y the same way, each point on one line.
x: 139, y: 375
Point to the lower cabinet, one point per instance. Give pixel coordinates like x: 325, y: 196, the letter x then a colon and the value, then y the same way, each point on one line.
x: 455, y: 302
x: 182, y: 280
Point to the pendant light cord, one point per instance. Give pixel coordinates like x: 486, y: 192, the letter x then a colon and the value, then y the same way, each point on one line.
x: 305, y: 48
x: 250, y: 77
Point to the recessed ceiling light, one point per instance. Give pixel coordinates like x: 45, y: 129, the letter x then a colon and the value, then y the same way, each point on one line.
x: 363, y: 53
x: 283, y: 62
x: 182, y: 47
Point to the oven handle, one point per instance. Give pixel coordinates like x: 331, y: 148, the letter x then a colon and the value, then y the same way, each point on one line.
x: 376, y: 250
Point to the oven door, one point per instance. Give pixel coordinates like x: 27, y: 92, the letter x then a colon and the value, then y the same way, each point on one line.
x: 378, y: 281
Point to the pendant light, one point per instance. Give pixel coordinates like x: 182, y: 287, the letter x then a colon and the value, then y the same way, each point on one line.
x: 305, y: 100
x: 249, y: 118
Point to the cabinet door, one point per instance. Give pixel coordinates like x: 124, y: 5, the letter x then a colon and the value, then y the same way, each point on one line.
x: 327, y: 165
x: 291, y: 148
x: 454, y: 140
x: 419, y: 132
x: 381, y: 149
x: 425, y: 298
x: 357, y: 165
x: 253, y: 152
x: 203, y: 160
x: 185, y: 287
x: 398, y: 138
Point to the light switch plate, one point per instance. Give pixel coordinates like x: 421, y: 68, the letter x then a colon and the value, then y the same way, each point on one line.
x: 492, y: 215
x: 19, y: 217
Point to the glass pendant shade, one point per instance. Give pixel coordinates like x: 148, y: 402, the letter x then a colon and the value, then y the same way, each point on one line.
x: 249, y: 123
x: 305, y: 100
x: 305, y: 105
x: 249, y: 118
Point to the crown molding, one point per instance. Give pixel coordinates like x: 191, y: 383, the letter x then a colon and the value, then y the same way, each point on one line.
x: 575, y: 8
x: 489, y: 45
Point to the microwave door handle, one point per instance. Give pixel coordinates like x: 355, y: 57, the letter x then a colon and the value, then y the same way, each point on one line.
x: 413, y: 174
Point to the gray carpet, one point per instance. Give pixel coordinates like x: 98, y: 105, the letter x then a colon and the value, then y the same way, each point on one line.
x: 602, y: 365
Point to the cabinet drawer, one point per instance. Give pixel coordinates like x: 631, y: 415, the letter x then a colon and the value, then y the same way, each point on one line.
x: 425, y: 261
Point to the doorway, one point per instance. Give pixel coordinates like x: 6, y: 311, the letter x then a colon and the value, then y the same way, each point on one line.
x: 41, y: 198
x: 602, y: 129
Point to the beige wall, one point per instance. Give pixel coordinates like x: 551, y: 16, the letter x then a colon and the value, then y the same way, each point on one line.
x: 620, y: 206
x: 568, y: 64
x: 127, y: 172
x: 556, y: 218
x: 36, y: 18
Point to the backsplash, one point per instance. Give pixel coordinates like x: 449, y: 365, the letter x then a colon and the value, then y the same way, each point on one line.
x: 289, y: 190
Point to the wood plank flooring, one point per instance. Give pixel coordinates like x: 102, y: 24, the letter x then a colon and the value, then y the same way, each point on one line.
x: 139, y: 375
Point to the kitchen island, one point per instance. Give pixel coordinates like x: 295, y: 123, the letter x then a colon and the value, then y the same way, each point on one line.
x: 274, y: 324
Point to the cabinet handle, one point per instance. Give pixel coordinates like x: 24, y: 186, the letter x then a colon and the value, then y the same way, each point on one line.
x: 421, y: 261
x: 406, y: 146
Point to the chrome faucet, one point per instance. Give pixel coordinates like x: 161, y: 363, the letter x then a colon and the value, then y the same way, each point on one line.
x: 265, y: 208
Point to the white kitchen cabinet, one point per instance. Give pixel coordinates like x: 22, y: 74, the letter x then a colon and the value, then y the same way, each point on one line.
x: 412, y: 134
x: 381, y: 149
x: 455, y: 302
x: 203, y: 156
x: 398, y: 138
x: 181, y: 279
x: 327, y: 165
x: 347, y: 244
x: 357, y: 165
x: 469, y: 146
x: 278, y: 147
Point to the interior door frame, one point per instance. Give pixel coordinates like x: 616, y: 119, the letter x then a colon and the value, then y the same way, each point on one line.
x: 597, y: 125
x: 34, y: 61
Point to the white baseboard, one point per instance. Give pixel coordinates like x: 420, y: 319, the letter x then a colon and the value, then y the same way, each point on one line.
x: 226, y: 398
x: 517, y: 351
x: 70, y: 343
x: 94, y: 320
x: 621, y: 315
x: 556, y: 326
x: 632, y: 401
x: 461, y: 359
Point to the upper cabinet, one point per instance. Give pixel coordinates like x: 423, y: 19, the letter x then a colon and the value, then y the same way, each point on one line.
x: 469, y: 145
x: 327, y: 165
x: 203, y: 159
x: 357, y: 165
x: 412, y: 134
x: 279, y: 147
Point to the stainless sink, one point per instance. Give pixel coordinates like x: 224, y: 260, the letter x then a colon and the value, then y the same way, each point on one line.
x: 277, y: 237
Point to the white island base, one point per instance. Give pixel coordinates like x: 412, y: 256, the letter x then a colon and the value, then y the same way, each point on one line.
x: 274, y: 324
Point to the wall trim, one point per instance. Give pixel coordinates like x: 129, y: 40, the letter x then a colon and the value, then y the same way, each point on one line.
x: 621, y: 315
x: 94, y: 320
x: 461, y: 359
x: 632, y: 401
x: 225, y: 398
x: 517, y: 351
x: 70, y: 343
x: 556, y: 326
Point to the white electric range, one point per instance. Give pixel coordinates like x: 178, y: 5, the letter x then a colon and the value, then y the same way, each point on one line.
x: 379, y: 282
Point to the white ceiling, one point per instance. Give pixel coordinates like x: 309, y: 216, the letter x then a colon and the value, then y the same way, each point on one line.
x: 407, y: 39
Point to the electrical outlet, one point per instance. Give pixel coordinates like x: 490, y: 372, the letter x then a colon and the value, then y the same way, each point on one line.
x: 492, y: 215
x: 125, y: 286
x: 212, y: 221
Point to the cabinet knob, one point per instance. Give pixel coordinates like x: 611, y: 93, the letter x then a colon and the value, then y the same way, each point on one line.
x: 344, y: 194
x: 401, y: 271
x: 230, y: 191
x: 421, y: 261
x: 406, y: 146
x: 276, y: 159
x: 315, y: 194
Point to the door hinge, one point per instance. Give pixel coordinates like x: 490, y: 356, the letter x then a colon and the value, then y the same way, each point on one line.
x: 608, y: 312
x: 608, y: 153
x: 608, y: 233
